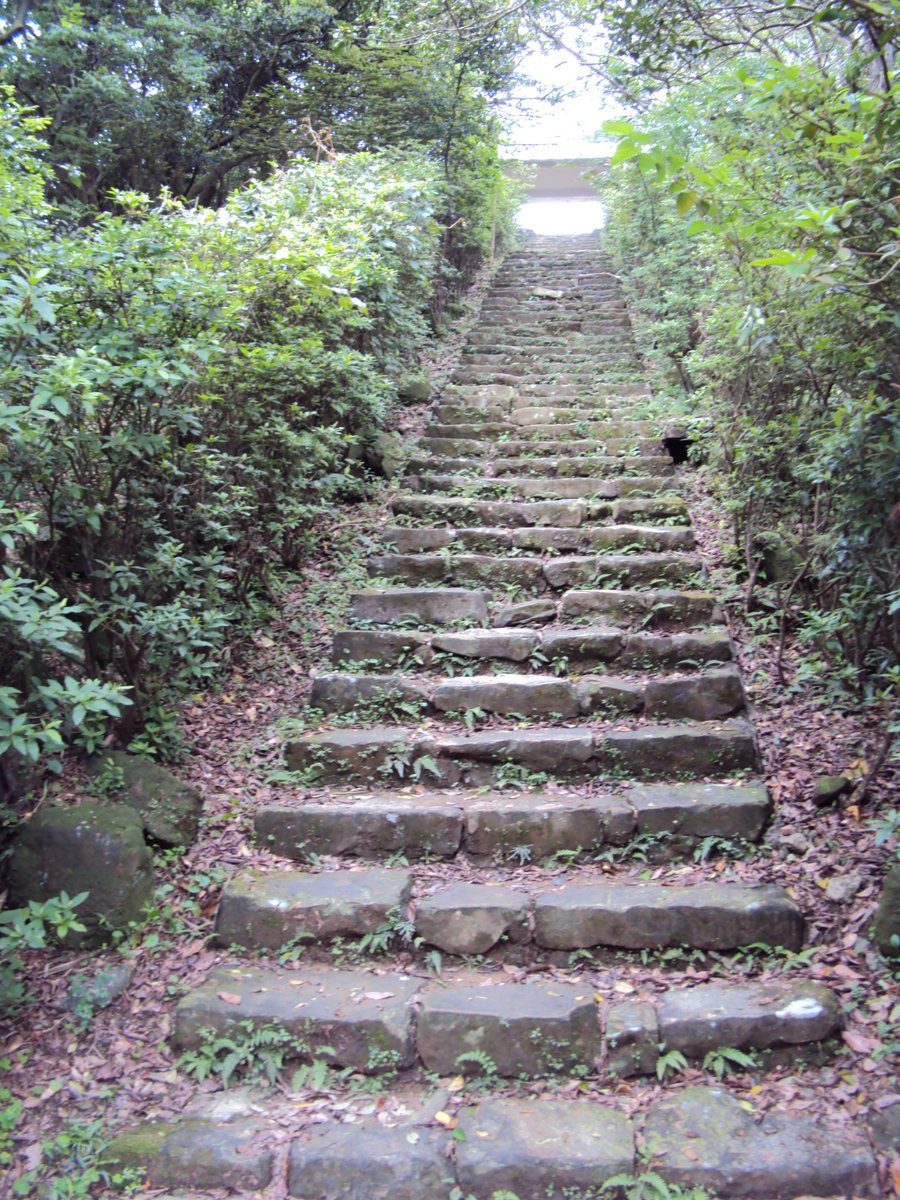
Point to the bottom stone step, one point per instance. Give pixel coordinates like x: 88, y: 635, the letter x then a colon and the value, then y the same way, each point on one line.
x: 533, y: 1149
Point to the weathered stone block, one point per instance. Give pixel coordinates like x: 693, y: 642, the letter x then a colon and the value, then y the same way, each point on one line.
x: 701, y: 810
x: 632, y: 1039
x: 545, y: 822
x: 718, y: 748
x: 260, y: 910
x: 197, y: 1154
x: 367, y: 1020
x: 372, y: 825
x: 369, y: 1162
x: 536, y: 1149
x: 746, y: 1016
x: 432, y: 606
x: 471, y: 918
x: 710, y: 696
x: 87, y: 848
x: 529, y: 695
x: 710, y: 916
x: 704, y: 1137
x: 529, y: 1029
x: 169, y: 808
x: 513, y: 644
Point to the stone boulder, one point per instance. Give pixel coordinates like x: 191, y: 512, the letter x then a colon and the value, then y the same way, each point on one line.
x: 887, y: 919
x: 87, y: 848
x: 169, y: 809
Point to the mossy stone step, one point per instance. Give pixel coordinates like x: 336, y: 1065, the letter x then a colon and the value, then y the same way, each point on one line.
x: 535, y: 574
x: 366, y: 1020
x: 543, y: 488
x: 708, y: 916
x: 540, y: 540
x: 706, y: 696
x: 560, y: 514
x: 431, y: 606
x: 396, y: 754
x: 595, y: 465
x: 260, y: 910
x: 706, y: 1137
x: 198, y: 1154
x: 487, y: 432
x: 531, y: 1147
x: 544, y: 447
x: 531, y: 1029
x: 471, y: 918
x: 538, y: 1148
x: 370, y: 1162
x: 493, y: 824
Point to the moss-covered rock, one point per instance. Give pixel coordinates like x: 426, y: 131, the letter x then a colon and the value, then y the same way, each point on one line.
x: 168, y: 808
x: 87, y: 848
x: 887, y: 919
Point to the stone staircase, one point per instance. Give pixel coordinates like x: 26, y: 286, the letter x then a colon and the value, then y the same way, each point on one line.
x: 536, y: 683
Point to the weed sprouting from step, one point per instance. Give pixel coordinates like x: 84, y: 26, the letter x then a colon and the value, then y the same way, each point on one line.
x: 725, y: 1059
x: 255, y: 1053
x: 400, y: 764
x: 650, y: 1185
x: 670, y: 1062
x: 481, y: 1067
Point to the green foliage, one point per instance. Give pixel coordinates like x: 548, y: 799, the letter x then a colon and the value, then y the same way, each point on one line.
x: 752, y: 216
x: 650, y: 1185
x: 32, y: 928
x: 72, y: 1165
x: 725, y: 1059
x: 250, y: 1052
x: 185, y: 394
x: 670, y: 1062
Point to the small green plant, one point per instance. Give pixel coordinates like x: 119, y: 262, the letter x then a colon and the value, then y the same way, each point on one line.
x: 252, y: 1052
x: 724, y: 1059
x: 30, y: 929
x: 650, y: 1185
x: 480, y: 1065
x: 670, y: 1062
x: 73, y: 1167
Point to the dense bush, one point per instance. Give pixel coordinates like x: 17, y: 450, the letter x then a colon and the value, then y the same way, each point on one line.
x: 753, y: 213
x: 186, y: 390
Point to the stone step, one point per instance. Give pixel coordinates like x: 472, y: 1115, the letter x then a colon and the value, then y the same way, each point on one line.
x: 529, y: 1147
x: 424, y: 606
x: 490, y: 429
x: 566, y: 514
x: 704, y: 696
x: 546, y: 447
x: 266, y: 911
x: 367, y: 1022
x: 494, y: 824
x: 283, y: 909
x: 378, y: 1023
x: 478, y: 408
x: 708, y: 916
x: 531, y: 648
x: 397, y: 754
x: 529, y: 415
x: 596, y: 465
x: 546, y: 488
x: 545, y: 539
x: 533, y: 574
